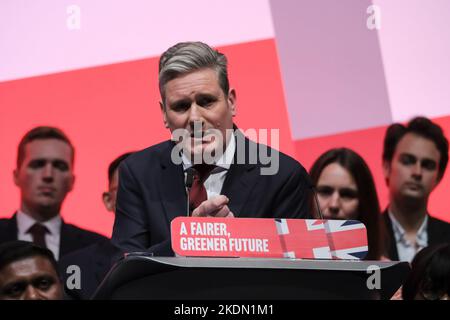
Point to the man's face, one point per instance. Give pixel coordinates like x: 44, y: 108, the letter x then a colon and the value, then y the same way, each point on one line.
x: 32, y: 278
x: 196, y: 97
x: 413, y: 171
x: 45, y: 175
x: 110, y: 197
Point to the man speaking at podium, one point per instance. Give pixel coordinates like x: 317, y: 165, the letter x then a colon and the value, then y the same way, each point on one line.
x: 208, y: 163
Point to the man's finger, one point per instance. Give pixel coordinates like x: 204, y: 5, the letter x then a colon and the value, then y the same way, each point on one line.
x: 210, y: 206
x: 222, y: 213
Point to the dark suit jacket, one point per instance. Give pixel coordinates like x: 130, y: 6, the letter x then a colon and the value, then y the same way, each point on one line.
x: 152, y: 193
x: 438, y: 232
x: 72, y: 237
x: 94, y: 261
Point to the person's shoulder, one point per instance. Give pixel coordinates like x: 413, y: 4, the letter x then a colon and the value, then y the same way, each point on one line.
x: 78, y: 256
x: 439, y: 224
x: 87, y: 235
x: 87, y: 253
x: 5, y: 221
x: 287, y: 164
x: 8, y: 227
x: 149, y: 155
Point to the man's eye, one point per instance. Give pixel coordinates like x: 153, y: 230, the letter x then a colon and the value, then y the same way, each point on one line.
x: 206, y: 102
x: 408, y: 160
x: 43, y: 283
x: 14, y: 290
x: 429, y: 164
x: 181, y: 106
x: 36, y: 164
x: 61, y: 165
x: 325, y: 191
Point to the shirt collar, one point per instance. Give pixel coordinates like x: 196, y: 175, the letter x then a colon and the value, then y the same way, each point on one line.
x: 399, y: 232
x: 223, y: 162
x: 25, y: 222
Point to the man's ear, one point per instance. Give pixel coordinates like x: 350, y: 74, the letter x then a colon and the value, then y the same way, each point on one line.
x: 232, y: 101
x: 72, y: 183
x: 16, y: 177
x: 163, y: 111
x: 386, y: 171
x: 106, y: 197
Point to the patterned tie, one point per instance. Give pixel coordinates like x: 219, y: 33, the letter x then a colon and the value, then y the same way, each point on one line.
x: 38, y: 232
x: 197, y: 193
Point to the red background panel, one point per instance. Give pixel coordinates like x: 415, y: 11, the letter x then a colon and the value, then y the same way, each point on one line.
x: 112, y: 109
x: 369, y: 144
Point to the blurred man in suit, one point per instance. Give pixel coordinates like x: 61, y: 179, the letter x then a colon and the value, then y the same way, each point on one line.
x: 415, y: 157
x: 95, y: 260
x: 198, y: 107
x: 44, y: 175
x: 28, y: 272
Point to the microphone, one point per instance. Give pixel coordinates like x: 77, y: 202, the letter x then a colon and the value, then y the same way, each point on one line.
x: 316, y: 200
x: 188, y: 182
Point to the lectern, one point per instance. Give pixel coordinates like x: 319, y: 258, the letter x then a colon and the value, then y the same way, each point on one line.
x: 140, y: 276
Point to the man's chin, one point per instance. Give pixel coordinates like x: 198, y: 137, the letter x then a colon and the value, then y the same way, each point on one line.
x: 414, y: 195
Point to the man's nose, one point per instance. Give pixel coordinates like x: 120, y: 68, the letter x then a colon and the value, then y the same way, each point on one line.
x: 195, y: 114
x: 31, y: 293
x: 47, y: 173
x: 417, y: 171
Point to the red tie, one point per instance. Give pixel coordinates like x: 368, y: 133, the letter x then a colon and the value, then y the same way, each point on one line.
x: 197, y: 193
x: 38, y: 232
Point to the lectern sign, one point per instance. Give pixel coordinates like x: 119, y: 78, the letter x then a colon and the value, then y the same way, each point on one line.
x: 269, y: 238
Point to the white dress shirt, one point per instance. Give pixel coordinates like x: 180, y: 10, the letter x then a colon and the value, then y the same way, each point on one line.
x: 52, y: 238
x: 214, y: 183
x: 407, y: 250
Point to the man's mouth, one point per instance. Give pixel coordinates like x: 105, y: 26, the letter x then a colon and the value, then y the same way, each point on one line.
x: 413, y: 186
x: 46, y: 191
x: 202, y: 136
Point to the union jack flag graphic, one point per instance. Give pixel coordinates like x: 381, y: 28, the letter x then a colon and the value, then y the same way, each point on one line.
x: 322, y: 239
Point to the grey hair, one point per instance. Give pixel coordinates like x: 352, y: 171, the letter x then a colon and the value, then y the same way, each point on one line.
x: 186, y: 57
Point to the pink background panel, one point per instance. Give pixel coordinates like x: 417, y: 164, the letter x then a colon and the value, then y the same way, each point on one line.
x: 415, y: 46
x: 35, y: 39
x: 331, y: 65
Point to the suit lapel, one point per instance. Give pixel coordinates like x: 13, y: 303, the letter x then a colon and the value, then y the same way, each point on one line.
x: 173, y: 191
x: 69, y: 240
x: 11, y: 230
x: 238, y: 184
x: 392, y: 245
x: 434, y: 234
x: 240, y: 179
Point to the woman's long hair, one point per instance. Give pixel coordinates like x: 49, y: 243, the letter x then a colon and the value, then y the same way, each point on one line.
x: 368, y: 208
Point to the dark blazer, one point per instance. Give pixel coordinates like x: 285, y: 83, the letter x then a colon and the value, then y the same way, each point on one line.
x: 438, y: 232
x: 72, y: 237
x: 94, y: 261
x: 152, y: 193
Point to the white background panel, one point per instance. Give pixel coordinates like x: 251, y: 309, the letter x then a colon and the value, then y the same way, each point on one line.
x: 35, y: 38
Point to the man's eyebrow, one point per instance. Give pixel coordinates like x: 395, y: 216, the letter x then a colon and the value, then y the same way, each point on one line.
x: 9, y: 284
x: 407, y: 154
x: 414, y: 156
x: 206, y: 95
x: 47, y: 160
x: 428, y: 159
x: 179, y: 102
